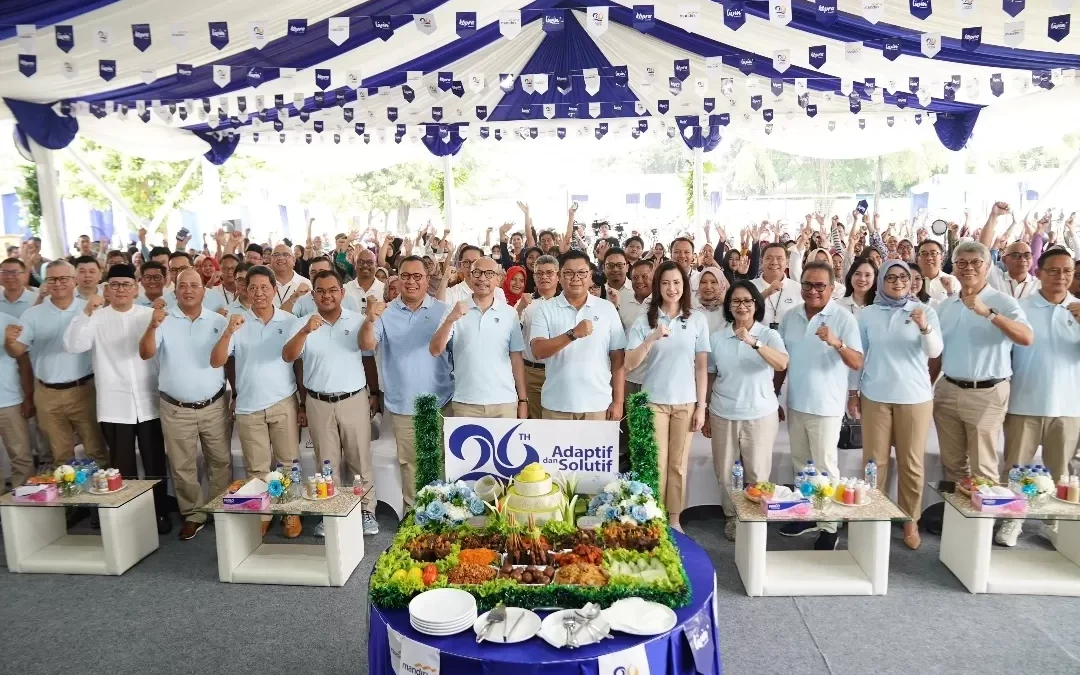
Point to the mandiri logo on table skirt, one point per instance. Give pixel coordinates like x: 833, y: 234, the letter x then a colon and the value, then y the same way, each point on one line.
x: 477, y: 447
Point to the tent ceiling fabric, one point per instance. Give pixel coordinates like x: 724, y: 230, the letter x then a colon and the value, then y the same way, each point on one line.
x: 879, y: 126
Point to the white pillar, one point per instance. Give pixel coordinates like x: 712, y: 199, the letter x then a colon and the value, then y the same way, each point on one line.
x: 699, y: 188
x: 448, y: 195
x: 211, y: 196
x: 52, y: 226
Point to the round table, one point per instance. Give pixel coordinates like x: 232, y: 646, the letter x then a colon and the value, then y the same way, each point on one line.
x: 668, y: 654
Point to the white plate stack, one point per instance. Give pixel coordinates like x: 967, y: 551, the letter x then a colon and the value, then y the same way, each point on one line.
x: 442, y: 611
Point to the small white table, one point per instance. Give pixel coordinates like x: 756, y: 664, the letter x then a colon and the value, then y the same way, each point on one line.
x: 863, y: 569
x: 968, y: 551
x: 36, y: 538
x: 243, y: 558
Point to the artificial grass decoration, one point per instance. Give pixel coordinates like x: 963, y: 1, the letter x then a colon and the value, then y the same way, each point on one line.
x: 644, y: 453
x: 427, y: 433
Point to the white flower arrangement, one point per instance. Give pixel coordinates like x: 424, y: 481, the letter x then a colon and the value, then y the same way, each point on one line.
x: 626, y: 501
x: 275, y: 475
x: 1044, y: 484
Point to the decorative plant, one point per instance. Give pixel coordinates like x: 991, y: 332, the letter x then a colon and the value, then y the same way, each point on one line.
x: 427, y: 430
x: 644, y: 453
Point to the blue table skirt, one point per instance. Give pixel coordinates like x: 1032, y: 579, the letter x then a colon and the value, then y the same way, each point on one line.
x: 668, y: 654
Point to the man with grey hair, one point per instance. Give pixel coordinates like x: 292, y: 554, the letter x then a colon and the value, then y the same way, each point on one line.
x: 979, y: 326
x: 546, y: 276
x: 1015, y: 279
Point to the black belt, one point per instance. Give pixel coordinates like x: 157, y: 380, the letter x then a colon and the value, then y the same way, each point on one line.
x: 198, y: 405
x: 980, y: 384
x: 68, y: 385
x: 333, y: 398
x: 533, y: 364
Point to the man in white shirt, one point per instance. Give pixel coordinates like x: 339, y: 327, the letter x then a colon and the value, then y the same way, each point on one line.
x: 930, y: 255
x: 781, y: 294
x: 127, y: 386
x: 288, y: 282
x: 455, y: 294
x: 365, y: 283
x: 682, y: 252
x: 546, y: 275
x: 617, y: 271
x: 1015, y: 280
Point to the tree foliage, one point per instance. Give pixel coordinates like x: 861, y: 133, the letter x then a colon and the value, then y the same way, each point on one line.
x: 30, y: 198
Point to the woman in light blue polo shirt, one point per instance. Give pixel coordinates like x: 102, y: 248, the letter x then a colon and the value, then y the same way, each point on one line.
x: 672, y: 341
x: 743, y: 410
x: 893, y: 392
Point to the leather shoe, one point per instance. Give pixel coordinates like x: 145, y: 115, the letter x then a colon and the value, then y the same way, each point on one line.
x: 291, y: 526
x: 911, y: 536
x: 189, y: 529
x: 164, y: 525
x: 266, y: 526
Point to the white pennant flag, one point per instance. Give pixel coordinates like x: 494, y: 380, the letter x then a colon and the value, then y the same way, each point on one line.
x: 800, y: 85
x: 931, y: 44
x: 338, y: 29
x: 260, y: 102
x: 701, y: 86
x: 70, y: 69
x: 549, y: 110
x: 164, y: 114
x: 102, y: 37
x: 26, y: 34
x: 286, y: 73
x: 476, y: 82
x: 689, y: 17
x: 873, y: 10
x: 540, y: 83
x: 1056, y: 75
x: 148, y: 76
x: 594, y: 110
x: 714, y: 67
x: 965, y: 8
x: 425, y: 23
x: 212, y: 121
x: 510, y: 24
x: 353, y: 78
x: 414, y: 77
x: 639, y: 108
x: 780, y: 12
x: 971, y: 87
x: 596, y: 20
x: 178, y: 35
x: 1014, y: 33
x: 591, y: 76
x: 853, y: 52
x: 781, y: 60
x: 222, y: 75
x: 527, y: 84
x: 924, y: 96
x: 648, y: 75
x: 846, y: 85
x: 257, y: 33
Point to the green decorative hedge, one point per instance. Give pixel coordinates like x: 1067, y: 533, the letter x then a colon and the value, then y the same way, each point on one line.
x: 644, y: 452
x: 427, y: 431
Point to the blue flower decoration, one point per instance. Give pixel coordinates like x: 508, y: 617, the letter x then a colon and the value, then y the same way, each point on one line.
x: 638, y: 513
x: 646, y: 490
x: 275, y: 488
x: 80, y: 477
x: 420, y: 518
x: 1029, y: 489
x: 435, y: 510
x: 610, y: 513
x: 476, y: 507
x: 606, y: 497
x: 636, y: 488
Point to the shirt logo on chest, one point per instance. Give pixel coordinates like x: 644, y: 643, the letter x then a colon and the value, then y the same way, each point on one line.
x: 346, y: 331
x: 215, y: 330
x: 280, y: 331
x: 788, y: 301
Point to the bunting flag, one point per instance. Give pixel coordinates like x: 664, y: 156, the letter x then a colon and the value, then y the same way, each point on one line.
x: 353, y: 78
x: 1014, y: 33
x: 596, y: 21
x: 103, y: 36
x: 971, y: 38
x: 913, y: 85
x: 391, y: 114
x: 901, y: 100
x: 781, y: 60
x: 383, y: 27
x: 755, y: 102
x: 296, y: 28
x: 591, y: 77
x: 65, y: 38
x: 594, y: 110
x: 735, y: 14
x: 319, y: 99
x: 1058, y: 27
x: 890, y: 120
x: 873, y: 10
x: 930, y: 44
x: 184, y: 71
x: 826, y: 12
x: 540, y: 83
x: 689, y: 17
x: 506, y: 82
x: 662, y: 106
x: 446, y: 80
x: 746, y: 65
x: 425, y: 23
x: 891, y: 48
x: 222, y: 75
x: 674, y: 86
x: 219, y: 34
x: 780, y: 12
x: 554, y: 20
x: 997, y: 84
x: 27, y: 64
x: 257, y: 34
x: 777, y: 86
x: 457, y: 88
x: 549, y: 110
x: 510, y: 24
x: 921, y: 9
x: 107, y: 69
x: 853, y: 52
x: 527, y: 84
x: 854, y: 103
x: 682, y: 69
x: 644, y: 18
x: 140, y: 36
x: 811, y: 110
x: 563, y: 83
x: 708, y: 104
x: 481, y: 112
x: 620, y: 76
x: 767, y: 114
x: 965, y: 7
x: 322, y: 78
x: 701, y: 86
x: 818, y: 56
x: 255, y: 76
x: 465, y: 24
x: 337, y: 29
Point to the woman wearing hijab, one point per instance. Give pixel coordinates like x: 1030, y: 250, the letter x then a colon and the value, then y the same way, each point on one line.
x: 893, y: 392
x: 712, y: 287
x: 207, y: 267
x: 514, y: 285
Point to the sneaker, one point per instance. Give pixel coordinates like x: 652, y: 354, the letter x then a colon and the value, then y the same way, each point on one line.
x: 826, y: 541
x: 795, y: 529
x: 320, y: 531
x: 189, y: 529
x: 291, y: 526
x: 729, y: 529
x: 371, y: 526
x: 1009, y: 532
x: 164, y: 524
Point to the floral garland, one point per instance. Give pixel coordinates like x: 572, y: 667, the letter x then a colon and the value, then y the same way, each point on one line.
x: 427, y: 434
x: 644, y: 452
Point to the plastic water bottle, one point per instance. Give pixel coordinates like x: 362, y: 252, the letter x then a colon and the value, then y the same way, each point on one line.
x: 809, y: 469
x: 296, y: 476
x: 1014, y: 478
x: 1027, y: 471
x: 1039, y: 469
x: 737, y: 476
x: 871, y: 474
x: 800, y: 478
x: 357, y: 486
x: 327, y: 470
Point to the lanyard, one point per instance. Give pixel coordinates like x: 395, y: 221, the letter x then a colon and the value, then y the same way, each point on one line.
x: 776, y: 307
x: 226, y: 294
x: 1012, y: 289
x: 281, y: 300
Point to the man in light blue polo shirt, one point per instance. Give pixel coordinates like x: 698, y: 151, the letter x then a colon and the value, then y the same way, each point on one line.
x: 823, y: 344
x: 581, y: 340
x: 402, y: 331
x: 194, y: 409
x: 16, y: 298
x: 66, y: 399
x: 268, y: 414
x: 305, y: 305
x: 486, y: 343
x: 1044, y: 409
x: 979, y: 327
x: 336, y: 383
x: 16, y: 406
x: 152, y: 277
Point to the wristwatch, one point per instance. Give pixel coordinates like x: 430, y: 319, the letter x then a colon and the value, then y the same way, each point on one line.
x: 993, y: 313
x: 756, y: 346
x: 842, y: 346
x: 570, y: 334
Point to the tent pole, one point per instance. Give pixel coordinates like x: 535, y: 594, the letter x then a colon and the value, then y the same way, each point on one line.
x: 448, y: 195
x: 170, y: 199
x: 1065, y: 173
x: 52, y: 226
x: 105, y: 188
x: 699, y: 179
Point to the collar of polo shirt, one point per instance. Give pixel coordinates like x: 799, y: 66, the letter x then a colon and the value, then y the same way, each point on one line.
x: 755, y: 330
x: 831, y: 306
x: 1041, y: 301
x: 424, y: 304
x: 179, y: 313
x: 590, y: 300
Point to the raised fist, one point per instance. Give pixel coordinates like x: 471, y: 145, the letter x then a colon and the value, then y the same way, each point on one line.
x: 826, y: 335
x: 302, y: 289
x: 461, y: 308
x: 523, y: 302
x: 158, y: 304
x: 314, y: 322
x: 12, y: 333
x: 743, y: 334
x: 583, y: 329
x: 235, y: 321
x: 919, y: 317
x: 93, y: 302
x: 661, y: 331
x: 375, y: 307
x: 157, y: 317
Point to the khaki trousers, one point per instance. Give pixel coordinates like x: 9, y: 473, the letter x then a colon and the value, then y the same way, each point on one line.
x: 905, y: 427
x: 405, y: 437
x: 587, y: 416
x: 749, y: 440
x: 500, y: 410
x: 672, y: 427
x: 185, y: 430
x: 275, y: 430
x: 344, y: 427
x: 15, y: 433
x: 534, y: 383
x: 61, y: 413
x: 814, y: 437
x: 968, y: 423
x: 1025, y: 433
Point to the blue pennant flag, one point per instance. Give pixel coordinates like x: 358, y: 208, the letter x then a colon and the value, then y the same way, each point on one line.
x: 408, y: 93
x: 484, y: 132
x: 634, y: 133
x: 436, y: 113
x: 319, y: 98
x: 359, y: 128
x: 279, y: 101
x: 219, y: 34
x: 465, y: 24
x: 1013, y: 7
x: 561, y: 133
x: 481, y: 112
x: 599, y: 134
x: 621, y: 76
x: 746, y: 65
x: 399, y: 131
x: 721, y: 120
x: 525, y: 111
x: 382, y: 27
x: 862, y: 124
x: 890, y: 120
x: 803, y: 100
x: 183, y: 113
x: 307, y: 138
x: 140, y: 35
x: 671, y: 132
x: 347, y: 115
x: 777, y: 86
x: 304, y: 115
x: 918, y: 118
x: 616, y: 109
x: 709, y: 104
x: 870, y: 84
x: 533, y: 132
x: 826, y: 12
x: 206, y: 105
x: 145, y: 116
x: 818, y: 56
x: 317, y: 125
x: 921, y: 9
x: 644, y: 17
x: 971, y: 38
x: 367, y: 139
x: 297, y: 27
x: 684, y: 121
x: 241, y: 104
x: 901, y: 100
x: 735, y: 15
x: 854, y: 102
x: 890, y: 48
x: 1058, y: 27
x: 184, y: 71
x: 949, y: 93
x: 663, y: 106
x: 674, y: 86
x: 1041, y: 79
x: 391, y: 114
x: 572, y: 110
x: 322, y: 78
x: 767, y: 114
x: 107, y: 69
x: 563, y: 83
x: 554, y: 20
x: 997, y: 84
x: 65, y: 38
x: 682, y: 69
x: 755, y: 102
x: 457, y: 88
x: 255, y: 137
x: 498, y: 134
x: 446, y: 80
x: 913, y: 85
x: 643, y: 125
x: 98, y: 110
x: 337, y: 138
x: 255, y: 76
x: 811, y: 110
x: 603, y: 127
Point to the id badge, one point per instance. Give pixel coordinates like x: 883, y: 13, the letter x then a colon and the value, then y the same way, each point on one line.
x: 775, y: 325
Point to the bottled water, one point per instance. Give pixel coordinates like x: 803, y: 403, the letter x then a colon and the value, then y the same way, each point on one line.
x: 737, y: 476
x: 1027, y: 471
x: 327, y: 470
x: 1014, y: 478
x: 871, y: 474
x: 296, y: 477
x: 1039, y: 470
x: 800, y: 478
x: 809, y: 469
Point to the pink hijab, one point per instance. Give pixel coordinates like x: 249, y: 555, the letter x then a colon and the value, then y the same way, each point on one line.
x: 718, y: 274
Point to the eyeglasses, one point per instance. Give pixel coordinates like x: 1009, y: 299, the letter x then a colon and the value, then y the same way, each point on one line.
x: 579, y: 275
x: 178, y: 270
x: 816, y: 287
x: 365, y: 263
x: 539, y: 274
x: 281, y: 255
x: 966, y: 264
x: 487, y: 274
x: 153, y: 277
x: 465, y: 263
x: 1020, y: 256
x: 743, y: 302
x: 188, y: 286
x: 893, y: 278
x: 929, y: 254
x: 1059, y: 272
x: 10, y: 273
x: 121, y: 285
x: 615, y: 266
x: 327, y: 291
x: 59, y: 280
x: 417, y: 276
